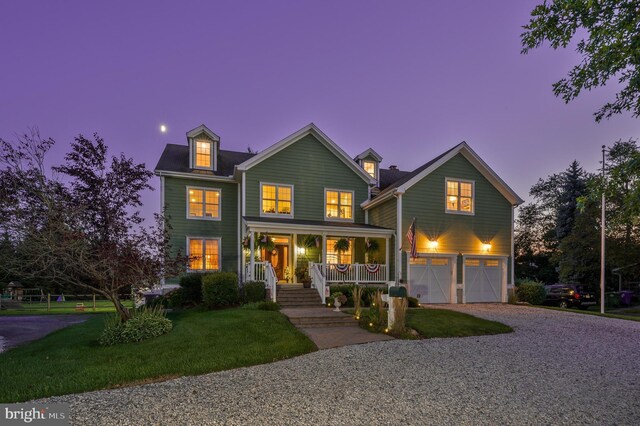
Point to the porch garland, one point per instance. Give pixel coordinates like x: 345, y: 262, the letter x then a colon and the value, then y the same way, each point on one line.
x: 342, y: 267
x: 372, y: 268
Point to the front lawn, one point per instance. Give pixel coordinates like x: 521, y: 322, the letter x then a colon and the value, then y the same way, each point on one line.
x: 66, y: 307
x: 444, y: 323
x: 70, y: 360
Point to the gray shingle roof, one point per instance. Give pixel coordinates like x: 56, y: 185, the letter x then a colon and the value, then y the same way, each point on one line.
x: 175, y: 158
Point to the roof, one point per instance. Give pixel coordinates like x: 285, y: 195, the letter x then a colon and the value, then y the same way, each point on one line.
x: 175, y: 158
x: 369, y: 152
x: 318, y: 225
x: 203, y: 129
x: 388, y: 176
x: 309, y: 129
x: 408, y: 180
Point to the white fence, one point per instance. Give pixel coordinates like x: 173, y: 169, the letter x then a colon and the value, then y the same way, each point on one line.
x: 358, y: 273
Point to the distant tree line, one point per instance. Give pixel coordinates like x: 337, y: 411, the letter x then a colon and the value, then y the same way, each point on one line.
x: 557, y: 235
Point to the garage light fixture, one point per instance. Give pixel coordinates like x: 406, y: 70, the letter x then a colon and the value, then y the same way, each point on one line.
x: 433, y: 244
x: 486, y: 246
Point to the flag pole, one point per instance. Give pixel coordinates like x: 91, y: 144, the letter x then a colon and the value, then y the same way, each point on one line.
x: 602, y: 235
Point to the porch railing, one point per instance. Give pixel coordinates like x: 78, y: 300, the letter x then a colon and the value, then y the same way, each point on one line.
x: 263, y: 271
x: 318, y: 280
x: 358, y: 273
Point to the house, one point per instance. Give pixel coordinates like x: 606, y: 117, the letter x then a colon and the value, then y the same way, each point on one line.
x: 269, y: 215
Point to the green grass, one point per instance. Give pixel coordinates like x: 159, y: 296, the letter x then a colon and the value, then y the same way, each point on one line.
x: 631, y: 317
x: 70, y: 360
x: 432, y: 323
x: 67, y: 307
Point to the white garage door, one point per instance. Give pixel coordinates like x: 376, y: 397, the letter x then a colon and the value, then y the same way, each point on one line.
x: 482, y: 280
x: 430, y: 279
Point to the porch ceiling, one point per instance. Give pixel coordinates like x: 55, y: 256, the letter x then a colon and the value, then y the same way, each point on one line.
x: 298, y: 226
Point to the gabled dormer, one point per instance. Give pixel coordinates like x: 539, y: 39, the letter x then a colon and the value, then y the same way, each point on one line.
x: 204, y: 146
x: 370, y: 160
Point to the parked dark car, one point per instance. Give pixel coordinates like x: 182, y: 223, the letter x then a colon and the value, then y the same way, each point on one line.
x: 569, y: 296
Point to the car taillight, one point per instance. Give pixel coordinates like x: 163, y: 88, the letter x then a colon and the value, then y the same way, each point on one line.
x: 577, y: 295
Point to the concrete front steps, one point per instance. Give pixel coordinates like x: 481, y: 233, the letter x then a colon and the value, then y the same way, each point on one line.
x: 303, y: 317
x: 295, y: 295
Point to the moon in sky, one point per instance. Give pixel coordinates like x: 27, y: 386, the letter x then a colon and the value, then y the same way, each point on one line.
x: 163, y: 128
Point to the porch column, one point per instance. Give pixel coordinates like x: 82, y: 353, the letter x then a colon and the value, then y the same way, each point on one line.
x: 386, y: 256
x: 295, y: 257
x: 252, y: 250
x: 323, y: 260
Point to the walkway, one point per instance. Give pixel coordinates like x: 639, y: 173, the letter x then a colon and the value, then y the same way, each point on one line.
x: 330, y: 329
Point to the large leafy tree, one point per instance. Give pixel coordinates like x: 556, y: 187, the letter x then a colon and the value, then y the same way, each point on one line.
x: 607, y: 34
x: 79, y: 225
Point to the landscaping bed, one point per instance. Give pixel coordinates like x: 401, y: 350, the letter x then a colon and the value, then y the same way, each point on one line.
x: 71, y: 361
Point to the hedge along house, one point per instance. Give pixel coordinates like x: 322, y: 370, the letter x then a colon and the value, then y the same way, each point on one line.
x: 290, y: 210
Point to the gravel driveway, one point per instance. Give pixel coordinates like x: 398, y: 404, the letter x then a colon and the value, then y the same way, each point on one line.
x: 557, y: 368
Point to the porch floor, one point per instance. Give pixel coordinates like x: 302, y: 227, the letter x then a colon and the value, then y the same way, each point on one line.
x: 330, y: 329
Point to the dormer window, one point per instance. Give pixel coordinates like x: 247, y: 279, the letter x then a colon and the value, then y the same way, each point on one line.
x: 203, y: 148
x: 370, y: 167
x: 203, y: 154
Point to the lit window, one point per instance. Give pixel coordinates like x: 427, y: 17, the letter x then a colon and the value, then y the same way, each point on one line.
x: 339, y: 205
x: 204, y: 255
x: 277, y: 199
x: 203, y: 203
x: 203, y: 154
x: 334, y: 257
x: 370, y: 167
x: 459, y: 196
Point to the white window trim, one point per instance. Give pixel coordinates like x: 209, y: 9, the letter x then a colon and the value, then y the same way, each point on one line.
x: 276, y: 214
x: 353, y: 203
x: 473, y: 196
x: 194, y: 153
x: 204, y: 202
x: 191, y: 237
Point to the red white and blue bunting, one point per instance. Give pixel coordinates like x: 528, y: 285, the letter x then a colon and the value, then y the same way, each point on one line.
x: 342, y: 267
x: 372, y: 268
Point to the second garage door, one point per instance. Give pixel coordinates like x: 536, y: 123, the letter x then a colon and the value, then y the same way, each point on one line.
x: 430, y: 279
x: 482, y: 280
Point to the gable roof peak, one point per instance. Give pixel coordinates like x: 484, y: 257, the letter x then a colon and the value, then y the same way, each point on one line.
x: 203, y: 129
x: 369, y: 152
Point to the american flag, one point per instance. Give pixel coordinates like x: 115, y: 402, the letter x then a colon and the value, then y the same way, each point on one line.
x: 411, y: 236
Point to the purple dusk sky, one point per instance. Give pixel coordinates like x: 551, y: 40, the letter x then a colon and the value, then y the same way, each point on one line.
x: 408, y: 78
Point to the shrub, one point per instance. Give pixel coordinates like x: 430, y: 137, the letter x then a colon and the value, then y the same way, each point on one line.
x: 191, y: 285
x: 357, y: 300
x: 367, y: 293
x: 400, y: 305
x: 532, y: 292
x: 253, y: 291
x: 146, y: 323
x: 413, y: 302
x: 220, y: 289
x: 268, y: 305
x: 176, y: 298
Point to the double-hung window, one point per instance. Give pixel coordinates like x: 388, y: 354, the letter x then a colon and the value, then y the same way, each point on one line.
x: 370, y: 167
x: 338, y: 205
x: 334, y: 257
x: 459, y: 197
x: 203, y: 203
x: 204, y: 254
x: 277, y: 199
x: 203, y: 154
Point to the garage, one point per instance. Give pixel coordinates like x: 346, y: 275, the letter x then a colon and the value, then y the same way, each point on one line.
x: 430, y: 279
x: 483, y: 280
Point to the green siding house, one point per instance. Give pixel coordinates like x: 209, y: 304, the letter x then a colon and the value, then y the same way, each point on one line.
x: 304, y: 210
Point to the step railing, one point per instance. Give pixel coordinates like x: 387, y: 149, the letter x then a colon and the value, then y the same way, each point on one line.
x: 357, y: 273
x: 271, y: 280
x: 263, y: 271
x: 318, y: 280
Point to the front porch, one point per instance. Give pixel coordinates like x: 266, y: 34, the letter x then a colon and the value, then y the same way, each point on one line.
x: 280, y: 252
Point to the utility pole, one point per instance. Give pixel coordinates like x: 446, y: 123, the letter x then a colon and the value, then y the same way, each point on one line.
x: 602, y: 235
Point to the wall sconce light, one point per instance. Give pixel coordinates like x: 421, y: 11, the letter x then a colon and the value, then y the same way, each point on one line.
x: 433, y: 244
x: 300, y: 250
x: 486, y: 246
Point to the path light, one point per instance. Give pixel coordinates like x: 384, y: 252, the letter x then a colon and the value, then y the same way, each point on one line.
x: 370, y: 324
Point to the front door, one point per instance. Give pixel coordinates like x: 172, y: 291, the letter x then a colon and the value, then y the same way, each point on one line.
x: 279, y: 258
